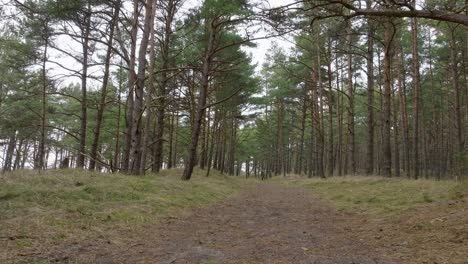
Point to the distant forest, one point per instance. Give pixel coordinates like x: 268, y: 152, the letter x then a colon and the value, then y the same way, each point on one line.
x: 136, y: 86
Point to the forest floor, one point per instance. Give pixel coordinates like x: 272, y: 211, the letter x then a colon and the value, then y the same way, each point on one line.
x: 284, y: 221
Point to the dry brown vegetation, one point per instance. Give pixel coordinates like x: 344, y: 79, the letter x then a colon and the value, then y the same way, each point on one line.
x: 39, y: 212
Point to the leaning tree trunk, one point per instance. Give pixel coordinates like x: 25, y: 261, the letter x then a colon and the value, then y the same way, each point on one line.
x: 201, y: 107
x: 105, y: 82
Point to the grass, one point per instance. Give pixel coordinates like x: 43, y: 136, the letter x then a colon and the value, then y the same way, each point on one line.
x: 381, y: 195
x: 64, y: 197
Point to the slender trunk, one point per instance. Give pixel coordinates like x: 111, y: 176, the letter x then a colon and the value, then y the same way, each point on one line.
x: 320, y: 123
x: 19, y: 153
x: 210, y: 155
x: 396, y: 136
x: 340, y: 121
x: 149, y: 93
x: 39, y: 160
x: 8, y: 160
x: 171, y: 143
x: 370, y: 97
x: 136, y: 128
x: 202, y: 160
x: 387, y: 97
x: 456, y: 88
x: 300, y: 154
x: 201, y: 107
x: 351, y: 139
x: 171, y: 10
x: 416, y: 91
x: 131, y: 88
x: 331, y: 164
x: 80, y: 162
x: 403, y: 113
x: 105, y: 82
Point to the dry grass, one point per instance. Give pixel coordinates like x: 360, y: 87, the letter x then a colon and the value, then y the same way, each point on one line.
x: 37, y: 210
x: 106, y: 196
x: 381, y: 195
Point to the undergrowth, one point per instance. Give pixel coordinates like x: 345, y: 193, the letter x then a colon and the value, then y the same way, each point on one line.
x: 381, y: 195
x: 66, y: 196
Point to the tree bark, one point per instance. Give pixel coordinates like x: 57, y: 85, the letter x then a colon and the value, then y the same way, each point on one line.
x: 149, y: 93
x: 403, y: 113
x: 416, y: 91
x: 131, y: 88
x: 456, y: 88
x: 370, y: 96
x: 105, y: 82
x: 8, y: 160
x: 171, y: 10
x: 136, y: 128
x: 205, y: 79
x: 351, y: 138
x: 39, y: 157
x: 387, y: 98
x: 86, y: 31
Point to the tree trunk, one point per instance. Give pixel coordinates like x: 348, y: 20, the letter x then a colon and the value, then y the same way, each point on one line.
x: 201, y: 107
x: 80, y: 162
x: 396, y: 136
x: 403, y: 113
x: 131, y: 88
x: 456, y: 88
x: 331, y: 164
x: 105, y: 82
x: 149, y: 93
x: 136, y: 129
x: 319, y: 105
x: 387, y: 98
x: 370, y: 96
x: 39, y: 157
x: 8, y: 160
x: 351, y: 139
x: 171, y: 10
x: 416, y: 91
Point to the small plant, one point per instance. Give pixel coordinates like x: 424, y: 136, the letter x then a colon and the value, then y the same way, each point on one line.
x: 427, y: 198
x: 24, y: 242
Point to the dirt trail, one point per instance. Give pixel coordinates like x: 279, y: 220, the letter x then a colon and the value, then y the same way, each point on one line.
x: 264, y: 224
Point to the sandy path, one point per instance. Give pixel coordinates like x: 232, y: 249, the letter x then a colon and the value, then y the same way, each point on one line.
x: 264, y: 224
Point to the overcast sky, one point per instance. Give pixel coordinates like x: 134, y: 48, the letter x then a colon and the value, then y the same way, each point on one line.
x: 258, y: 53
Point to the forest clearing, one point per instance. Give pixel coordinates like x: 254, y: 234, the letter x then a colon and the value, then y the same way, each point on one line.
x: 76, y: 217
x: 234, y: 131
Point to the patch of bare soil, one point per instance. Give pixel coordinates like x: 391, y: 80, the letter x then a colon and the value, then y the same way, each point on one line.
x: 272, y: 224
